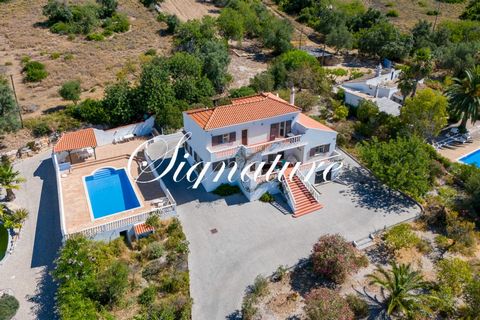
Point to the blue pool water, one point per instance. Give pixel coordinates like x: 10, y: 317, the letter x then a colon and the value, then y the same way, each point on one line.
x: 110, y: 192
x: 472, y: 158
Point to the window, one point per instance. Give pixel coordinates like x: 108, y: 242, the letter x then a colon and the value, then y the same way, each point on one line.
x: 224, y: 138
x: 319, y: 150
x: 280, y: 129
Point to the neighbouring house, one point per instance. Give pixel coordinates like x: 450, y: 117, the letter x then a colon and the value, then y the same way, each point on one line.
x: 257, y: 129
x: 324, y: 57
x: 382, y: 89
x: 97, y: 197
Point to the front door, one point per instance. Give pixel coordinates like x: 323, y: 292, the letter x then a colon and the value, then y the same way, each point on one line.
x: 245, y: 137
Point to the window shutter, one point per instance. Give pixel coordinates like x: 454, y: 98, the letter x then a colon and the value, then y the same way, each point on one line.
x: 312, y: 152
x: 288, y: 126
x: 233, y: 136
x: 327, y: 148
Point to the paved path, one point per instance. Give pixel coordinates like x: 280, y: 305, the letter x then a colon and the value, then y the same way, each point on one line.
x: 255, y: 238
x: 26, y: 271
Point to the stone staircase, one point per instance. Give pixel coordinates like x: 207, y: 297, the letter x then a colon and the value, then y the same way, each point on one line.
x: 304, y: 201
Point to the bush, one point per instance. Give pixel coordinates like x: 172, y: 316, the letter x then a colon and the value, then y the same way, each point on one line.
x: 400, y: 237
x: 147, y: 297
x: 70, y: 90
x: 95, y: 37
x: 151, y: 52
x: 34, y: 71
x: 90, y: 111
x: 266, y: 197
x: 242, y: 92
x: 358, y: 306
x: 154, y: 250
x: 255, y: 291
x: 392, y: 13
x: 8, y: 307
x: 225, y: 190
x: 117, y: 23
x: 455, y: 274
x: 462, y: 232
x: 340, y: 111
x: 58, y: 121
x: 327, y: 304
x: 334, y: 258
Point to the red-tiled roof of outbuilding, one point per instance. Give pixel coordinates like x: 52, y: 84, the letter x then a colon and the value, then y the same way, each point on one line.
x: 80, y: 139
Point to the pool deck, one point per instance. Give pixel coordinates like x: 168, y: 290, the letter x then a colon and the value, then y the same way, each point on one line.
x: 77, y: 215
x: 453, y: 153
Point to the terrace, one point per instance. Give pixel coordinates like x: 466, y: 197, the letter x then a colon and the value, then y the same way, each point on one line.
x: 75, y: 205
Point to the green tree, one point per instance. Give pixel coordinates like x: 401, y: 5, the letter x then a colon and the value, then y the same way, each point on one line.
x: 118, y: 103
x: 385, y: 41
x: 421, y: 66
x: 10, y: 180
x: 277, y: 34
x: 231, y: 24
x: 464, y: 96
x: 8, y: 109
x: 215, y: 58
x: 112, y: 283
x: 340, y: 38
x: 426, y: 113
x: 406, y: 82
x: 401, y: 287
x: 71, y: 90
x: 57, y: 11
x: 403, y: 164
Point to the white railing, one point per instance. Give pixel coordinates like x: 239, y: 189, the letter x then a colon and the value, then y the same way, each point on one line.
x: 315, y: 194
x: 288, y: 193
x: 121, y: 223
x: 270, y: 145
x: 327, y: 159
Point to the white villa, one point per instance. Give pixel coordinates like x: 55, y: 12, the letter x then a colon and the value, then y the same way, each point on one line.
x: 257, y: 129
x: 382, y: 89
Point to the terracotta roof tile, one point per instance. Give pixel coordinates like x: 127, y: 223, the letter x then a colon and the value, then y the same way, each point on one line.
x: 308, y: 122
x: 142, y: 228
x: 76, y: 140
x: 241, y: 110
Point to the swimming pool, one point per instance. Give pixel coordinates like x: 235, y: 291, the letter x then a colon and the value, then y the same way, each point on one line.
x: 109, y: 192
x: 472, y: 158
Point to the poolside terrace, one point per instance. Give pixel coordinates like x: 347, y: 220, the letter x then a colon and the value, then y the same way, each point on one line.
x: 76, y: 211
x: 455, y: 151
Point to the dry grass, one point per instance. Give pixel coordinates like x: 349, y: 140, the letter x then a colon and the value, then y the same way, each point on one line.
x: 189, y: 9
x: 94, y: 63
x: 410, y: 11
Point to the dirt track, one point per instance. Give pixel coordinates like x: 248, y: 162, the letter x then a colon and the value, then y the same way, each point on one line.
x: 189, y: 9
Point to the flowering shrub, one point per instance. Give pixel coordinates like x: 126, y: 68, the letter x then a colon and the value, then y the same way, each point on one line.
x: 327, y: 304
x: 334, y: 258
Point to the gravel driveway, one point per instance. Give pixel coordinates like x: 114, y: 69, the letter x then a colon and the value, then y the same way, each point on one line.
x: 232, y: 240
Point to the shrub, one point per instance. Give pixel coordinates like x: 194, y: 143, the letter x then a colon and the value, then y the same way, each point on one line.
x: 266, y: 197
x: 8, y: 307
x: 327, y: 304
x: 34, y: 71
x: 90, y: 111
x: 225, y: 190
x: 358, y: 306
x: 117, y: 23
x: 154, y: 250
x: 455, y: 274
x: 280, y: 273
x: 442, y: 242
x: 340, y: 111
x: 95, y: 37
x: 242, y: 92
x: 462, y: 232
x: 62, y: 28
x: 172, y: 22
x: 147, y: 297
x: 58, y: 121
x: 392, y: 13
x: 255, y: 291
x: 151, y: 52
x: 472, y: 297
x: 71, y: 90
x: 400, y: 237
x: 40, y: 129
x: 334, y: 258
x: 55, y: 55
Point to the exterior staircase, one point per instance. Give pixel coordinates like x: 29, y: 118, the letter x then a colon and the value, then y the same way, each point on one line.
x: 304, y: 201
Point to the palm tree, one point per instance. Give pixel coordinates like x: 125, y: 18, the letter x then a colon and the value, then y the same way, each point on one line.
x: 402, y: 289
x: 464, y: 96
x: 406, y: 82
x: 9, y: 180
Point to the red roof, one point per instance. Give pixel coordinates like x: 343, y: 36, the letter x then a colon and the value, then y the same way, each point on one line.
x: 242, y: 110
x: 76, y: 140
x: 142, y: 228
x: 308, y: 122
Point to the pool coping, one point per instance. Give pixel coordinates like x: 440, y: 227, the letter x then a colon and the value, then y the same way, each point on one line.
x: 466, y: 155
x: 85, y: 189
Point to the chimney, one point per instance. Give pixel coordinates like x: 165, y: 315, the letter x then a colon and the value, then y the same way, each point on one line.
x: 292, y: 96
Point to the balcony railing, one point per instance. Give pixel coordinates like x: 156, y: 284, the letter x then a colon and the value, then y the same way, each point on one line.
x: 251, y: 149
